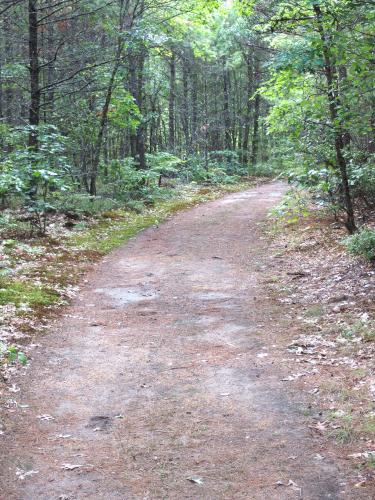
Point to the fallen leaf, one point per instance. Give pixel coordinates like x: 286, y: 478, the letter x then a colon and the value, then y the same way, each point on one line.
x: 14, y: 388
x: 24, y: 474
x: 368, y: 455
x: 320, y: 427
x: 71, y: 466
x: 45, y: 417
x: 196, y: 480
x: 294, y: 486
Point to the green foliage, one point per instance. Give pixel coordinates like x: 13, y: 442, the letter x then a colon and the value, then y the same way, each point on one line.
x: 362, y: 244
x: 10, y: 181
x: 220, y: 167
x: 124, y: 112
x: 84, y: 204
x: 300, y: 121
x: 18, y: 293
x: 293, y: 207
x: 164, y: 164
x: 11, y: 354
x: 35, y: 175
x: 363, y: 328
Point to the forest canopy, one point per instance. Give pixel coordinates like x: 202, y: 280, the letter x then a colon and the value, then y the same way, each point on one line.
x: 105, y: 98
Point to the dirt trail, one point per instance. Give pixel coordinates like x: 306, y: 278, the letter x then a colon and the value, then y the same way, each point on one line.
x: 162, y: 375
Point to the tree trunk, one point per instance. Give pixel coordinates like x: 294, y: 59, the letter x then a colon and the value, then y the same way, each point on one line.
x: 172, y: 100
x: 194, y: 104
x: 226, y: 82
x: 249, y: 93
x: 255, y: 140
x: 136, y: 68
x: 102, y: 125
x: 255, y: 143
x: 185, y: 104
x: 339, y: 132
x: 105, y: 109
x: 8, y: 56
x: 34, y: 68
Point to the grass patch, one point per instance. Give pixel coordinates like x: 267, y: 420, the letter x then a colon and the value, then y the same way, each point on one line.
x: 368, y: 427
x: 18, y: 293
x: 344, y: 436
x: 315, y: 311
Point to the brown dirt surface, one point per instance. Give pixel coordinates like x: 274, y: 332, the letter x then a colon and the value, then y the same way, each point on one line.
x: 163, y: 380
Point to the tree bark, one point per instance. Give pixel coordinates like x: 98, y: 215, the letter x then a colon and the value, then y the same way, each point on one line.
x: 247, y: 117
x: 34, y: 69
x: 256, y: 115
x: 185, y: 104
x: 172, y: 102
x: 226, y: 83
x: 136, y: 69
x: 107, y: 102
x: 194, y: 104
x: 334, y: 104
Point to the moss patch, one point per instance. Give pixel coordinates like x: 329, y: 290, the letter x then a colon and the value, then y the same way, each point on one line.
x: 18, y: 293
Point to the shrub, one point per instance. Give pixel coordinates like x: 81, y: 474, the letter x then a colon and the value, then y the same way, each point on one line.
x: 362, y: 244
x: 83, y: 203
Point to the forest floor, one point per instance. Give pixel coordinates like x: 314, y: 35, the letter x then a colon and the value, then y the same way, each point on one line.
x: 172, y: 374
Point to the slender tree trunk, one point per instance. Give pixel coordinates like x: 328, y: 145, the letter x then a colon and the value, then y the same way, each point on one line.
x: 339, y: 132
x: 136, y: 69
x: 248, y: 109
x: 227, y: 134
x: 185, y: 104
x: 194, y: 105
x: 102, y: 125
x: 8, y: 56
x: 105, y: 109
x: 141, y: 146
x: 34, y: 68
x: 206, y: 124
x: 255, y: 142
x: 50, y: 68
x: 172, y: 101
x: 1, y: 91
x: 256, y: 116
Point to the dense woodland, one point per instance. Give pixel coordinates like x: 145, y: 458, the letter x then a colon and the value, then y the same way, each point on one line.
x: 108, y: 98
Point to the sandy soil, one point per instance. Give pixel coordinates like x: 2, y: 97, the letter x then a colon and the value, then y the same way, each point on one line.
x: 164, y: 379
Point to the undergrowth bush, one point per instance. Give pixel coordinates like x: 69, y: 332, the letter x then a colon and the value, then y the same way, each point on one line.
x: 362, y: 244
x: 293, y: 207
x: 85, y: 204
x: 220, y: 167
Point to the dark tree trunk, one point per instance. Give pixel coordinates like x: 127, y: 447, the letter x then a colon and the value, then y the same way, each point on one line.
x: 105, y: 109
x: 136, y: 69
x: 194, y: 104
x: 8, y: 56
x: 248, y: 109
x: 226, y: 83
x: 34, y: 68
x: 172, y: 102
x: 185, y: 104
x: 102, y: 125
x: 334, y: 104
x: 256, y: 116
x: 255, y: 143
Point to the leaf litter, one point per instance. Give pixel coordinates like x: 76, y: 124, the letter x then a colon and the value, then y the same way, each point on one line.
x: 332, y: 302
